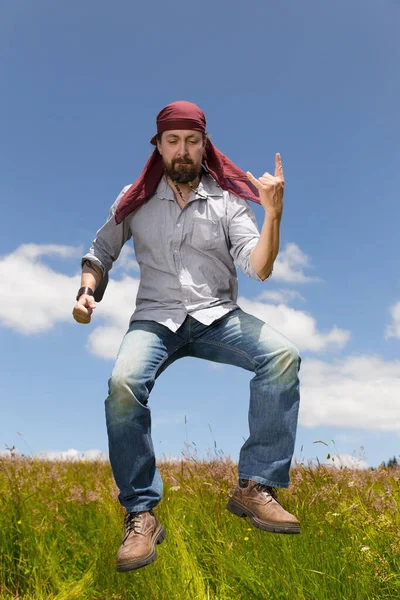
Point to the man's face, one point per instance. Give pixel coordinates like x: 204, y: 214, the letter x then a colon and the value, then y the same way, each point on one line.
x: 182, y: 154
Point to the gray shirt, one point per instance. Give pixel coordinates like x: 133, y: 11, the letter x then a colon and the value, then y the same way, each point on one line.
x: 186, y: 256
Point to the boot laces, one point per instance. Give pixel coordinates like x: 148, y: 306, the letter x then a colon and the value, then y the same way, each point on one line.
x: 266, y: 489
x: 133, y: 523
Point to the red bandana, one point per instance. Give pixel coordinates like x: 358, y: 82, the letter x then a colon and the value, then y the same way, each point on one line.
x: 184, y: 115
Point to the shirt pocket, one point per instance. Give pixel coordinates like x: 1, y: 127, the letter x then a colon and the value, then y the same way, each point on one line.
x: 204, y: 234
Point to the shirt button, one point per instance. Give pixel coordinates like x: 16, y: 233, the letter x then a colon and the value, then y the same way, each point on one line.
x: 178, y: 225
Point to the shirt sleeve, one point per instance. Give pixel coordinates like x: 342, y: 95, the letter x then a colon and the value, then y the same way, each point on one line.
x: 107, y: 245
x: 243, y: 234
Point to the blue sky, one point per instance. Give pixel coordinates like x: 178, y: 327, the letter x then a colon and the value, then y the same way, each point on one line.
x: 316, y: 81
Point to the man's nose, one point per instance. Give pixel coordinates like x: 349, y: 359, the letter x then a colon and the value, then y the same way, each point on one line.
x: 182, y: 148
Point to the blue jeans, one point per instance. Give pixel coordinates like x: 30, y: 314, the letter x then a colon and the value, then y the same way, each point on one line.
x: 236, y: 339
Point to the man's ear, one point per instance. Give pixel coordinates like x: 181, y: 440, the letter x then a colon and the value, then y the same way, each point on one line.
x: 159, y: 147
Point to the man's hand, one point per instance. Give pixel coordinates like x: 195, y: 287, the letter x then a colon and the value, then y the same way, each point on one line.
x: 83, y: 309
x: 271, y: 188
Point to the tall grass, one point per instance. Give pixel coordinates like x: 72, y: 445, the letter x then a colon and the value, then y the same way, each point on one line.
x: 61, y: 525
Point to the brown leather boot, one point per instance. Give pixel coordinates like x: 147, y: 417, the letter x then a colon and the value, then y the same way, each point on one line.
x: 142, y: 532
x: 259, y: 502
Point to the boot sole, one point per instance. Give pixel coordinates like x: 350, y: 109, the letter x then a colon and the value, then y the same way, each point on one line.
x: 241, y: 511
x: 159, y: 537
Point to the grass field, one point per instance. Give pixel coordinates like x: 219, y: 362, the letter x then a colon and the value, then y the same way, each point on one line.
x: 61, y: 525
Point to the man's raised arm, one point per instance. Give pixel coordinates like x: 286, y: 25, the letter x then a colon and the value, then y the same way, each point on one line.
x: 270, y: 188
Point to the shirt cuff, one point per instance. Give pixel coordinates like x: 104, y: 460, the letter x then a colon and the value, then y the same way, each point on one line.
x: 96, y: 261
x: 252, y: 273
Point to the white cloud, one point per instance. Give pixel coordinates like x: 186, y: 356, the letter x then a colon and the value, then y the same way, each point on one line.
x: 393, y: 330
x: 346, y: 460
x: 299, y: 327
x: 34, y: 297
x: 104, y: 341
x: 34, y: 251
x: 359, y: 391
x: 290, y: 264
x: 72, y: 454
x: 170, y: 458
x: 80, y: 455
x: 9, y: 452
x: 281, y: 296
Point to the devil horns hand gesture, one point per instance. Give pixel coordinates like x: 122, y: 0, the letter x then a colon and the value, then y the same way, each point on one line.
x: 271, y: 188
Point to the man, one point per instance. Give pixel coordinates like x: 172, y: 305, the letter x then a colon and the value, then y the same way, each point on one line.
x: 190, y: 221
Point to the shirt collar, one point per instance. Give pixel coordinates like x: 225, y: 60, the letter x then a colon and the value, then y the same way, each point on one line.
x: 207, y: 187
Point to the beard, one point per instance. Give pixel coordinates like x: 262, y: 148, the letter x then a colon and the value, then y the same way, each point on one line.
x: 182, y: 170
